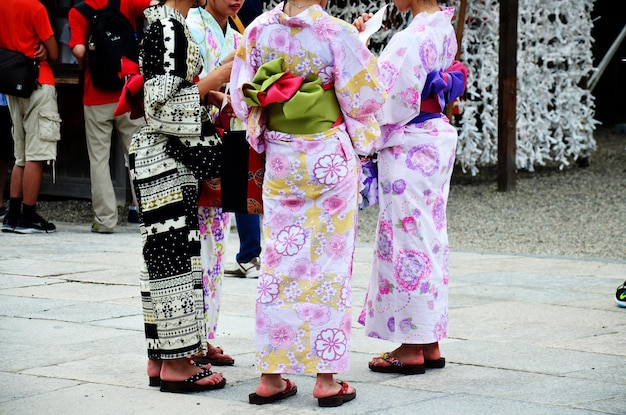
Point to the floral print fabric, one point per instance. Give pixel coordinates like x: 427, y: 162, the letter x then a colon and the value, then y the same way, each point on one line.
x: 303, y: 306
x: 214, y: 45
x: 407, y: 298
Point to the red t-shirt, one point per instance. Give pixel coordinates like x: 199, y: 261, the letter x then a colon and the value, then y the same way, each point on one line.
x: 79, y: 29
x: 24, y: 24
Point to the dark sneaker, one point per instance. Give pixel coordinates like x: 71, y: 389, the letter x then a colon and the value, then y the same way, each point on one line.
x: 36, y: 225
x: 132, y: 215
x: 9, y: 224
x: 620, y: 295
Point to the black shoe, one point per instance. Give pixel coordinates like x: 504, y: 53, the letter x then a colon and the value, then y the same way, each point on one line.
x: 132, y: 215
x: 8, y: 224
x: 620, y: 295
x: 36, y: 224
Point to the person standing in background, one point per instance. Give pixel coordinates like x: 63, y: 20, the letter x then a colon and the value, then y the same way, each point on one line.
x: 407, y: 297
x: 217, y: 41
x: 36, y: 122
x: 311, y: 132
x: 99, y: 106
x: 6, y: 149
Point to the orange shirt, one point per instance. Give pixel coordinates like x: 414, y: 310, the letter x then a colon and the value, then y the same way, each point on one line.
x: 24, y: 24
x: 80, y: 30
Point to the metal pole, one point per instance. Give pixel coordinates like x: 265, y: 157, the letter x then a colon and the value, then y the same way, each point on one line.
x: 593, y: 81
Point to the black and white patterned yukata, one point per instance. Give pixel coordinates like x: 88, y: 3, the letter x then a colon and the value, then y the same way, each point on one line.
x: 167, y: 191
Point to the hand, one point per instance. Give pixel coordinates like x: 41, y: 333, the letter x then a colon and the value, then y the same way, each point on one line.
x: 41, y: 53
x: 216, y: 98
x: 359, y: 23
x: 228, y: 58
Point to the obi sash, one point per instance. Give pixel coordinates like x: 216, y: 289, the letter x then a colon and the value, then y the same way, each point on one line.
x: 441, y: 88
x: 294, y: 104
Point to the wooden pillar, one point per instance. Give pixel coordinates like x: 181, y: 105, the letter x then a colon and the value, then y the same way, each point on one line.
x: 507, y: 95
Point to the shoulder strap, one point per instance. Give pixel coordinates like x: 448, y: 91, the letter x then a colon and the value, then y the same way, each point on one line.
x: 114, y: 4
x: 86, y: 10
x: 238, y: 23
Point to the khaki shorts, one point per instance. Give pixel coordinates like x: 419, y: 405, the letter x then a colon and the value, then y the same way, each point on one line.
x: 36, y: 125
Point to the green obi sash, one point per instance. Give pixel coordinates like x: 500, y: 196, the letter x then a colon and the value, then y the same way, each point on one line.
x: 294, y: 104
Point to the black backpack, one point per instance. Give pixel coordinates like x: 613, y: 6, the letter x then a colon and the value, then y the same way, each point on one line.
x: 112, y: 37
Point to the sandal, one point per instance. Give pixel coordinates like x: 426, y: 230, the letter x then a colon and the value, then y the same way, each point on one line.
x: 190, y: 385
x: 290, y: 390
x: 339, y: 399
x: 156, y: 380
x: 215, y: 357
x: 397, y: 366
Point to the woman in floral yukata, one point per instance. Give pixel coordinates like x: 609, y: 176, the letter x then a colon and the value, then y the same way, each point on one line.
x: 308, y: 90
x: 217, y: 41
x: 167, y: 192
x: 407, y: 298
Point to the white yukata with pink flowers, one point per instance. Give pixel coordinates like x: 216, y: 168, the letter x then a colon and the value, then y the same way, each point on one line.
x: 310, y: 190
x: 407, y: 299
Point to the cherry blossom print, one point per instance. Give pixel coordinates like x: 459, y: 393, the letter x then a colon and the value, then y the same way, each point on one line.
x: 387, y: 73
x: 326, y: 74
x: 290, y: 240
x: 409, y: 225
x: 292, y: 202
x: 428, y: 53
x: 309, y: 147
x: 263, y: 322
x: 278, y: 165
x: 330, y: 169
x: 295, y: 48
x: 411, y: 268
x: 325, y: 29
x: 331, y: 344
x: 334, y: 204
x: 439, y: 212
x: 401, y: 52
x: 424, y: 158
x: 336, y: 246
x: 280, y: 219
x: 316, y: 314
x: 281, y: 336
x: 304, y: 269
x: 267, y: 288
x: 271, y: 257
x: 280, y: 40
x: 368, y: 107
x: 346, y: 323
x: 384, y: 242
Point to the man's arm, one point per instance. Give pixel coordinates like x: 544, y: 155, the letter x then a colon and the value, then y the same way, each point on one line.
x: 53, y: 48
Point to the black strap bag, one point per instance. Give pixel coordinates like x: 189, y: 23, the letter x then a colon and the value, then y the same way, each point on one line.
x: 18, y: 73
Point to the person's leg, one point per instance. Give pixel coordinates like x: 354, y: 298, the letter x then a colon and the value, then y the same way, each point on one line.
x: 249, y: 231
x: 98, y: 130
x: 31, y: 182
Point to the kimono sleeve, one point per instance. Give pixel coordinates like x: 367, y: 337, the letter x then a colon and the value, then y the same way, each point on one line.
x: 244, y: 69
x: 403, y: 74
x: 359, y: 93
x: 171, y: 100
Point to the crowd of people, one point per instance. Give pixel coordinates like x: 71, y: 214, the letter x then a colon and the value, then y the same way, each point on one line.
x: 310, y: 95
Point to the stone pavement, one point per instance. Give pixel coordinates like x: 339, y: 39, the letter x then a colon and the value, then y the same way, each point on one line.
x: 528, y: 335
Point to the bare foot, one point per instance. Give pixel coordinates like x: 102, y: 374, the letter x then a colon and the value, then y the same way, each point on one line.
x: 431, y: 351
x: 325, y: 386
x: 271, y: 384
x: 410, y: 354
x: 177, y: 370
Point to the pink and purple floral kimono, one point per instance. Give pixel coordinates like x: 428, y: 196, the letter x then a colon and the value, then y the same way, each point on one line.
x: 407, y: 298
x: 310, y: 189
x: 214, y: 45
